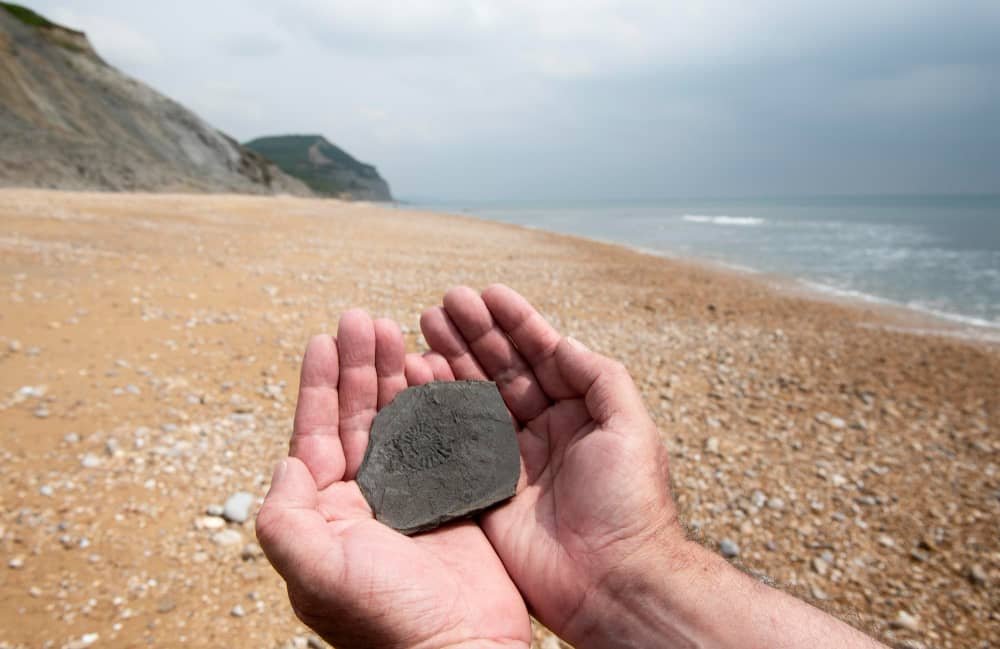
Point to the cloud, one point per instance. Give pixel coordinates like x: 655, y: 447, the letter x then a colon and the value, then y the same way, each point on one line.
x: 252, y: 45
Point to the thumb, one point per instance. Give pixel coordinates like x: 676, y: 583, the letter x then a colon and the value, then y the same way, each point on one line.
x: 288, y: 521
x: 603, y: 383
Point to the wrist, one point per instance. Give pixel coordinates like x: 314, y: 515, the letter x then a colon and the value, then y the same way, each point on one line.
x: 681, y: 595
x: 645, y: 601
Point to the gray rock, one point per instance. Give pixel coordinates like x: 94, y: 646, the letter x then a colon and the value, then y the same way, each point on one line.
x: 729, y: 548
x: 237, y: 507
x: 438, y: 452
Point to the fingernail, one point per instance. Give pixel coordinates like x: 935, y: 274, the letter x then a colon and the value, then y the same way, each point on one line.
x: 576, y: 344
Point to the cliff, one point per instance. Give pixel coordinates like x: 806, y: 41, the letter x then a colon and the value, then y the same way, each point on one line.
x: 69, y: 120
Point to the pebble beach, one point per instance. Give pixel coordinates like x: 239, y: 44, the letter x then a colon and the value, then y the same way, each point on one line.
x: 150, y: 347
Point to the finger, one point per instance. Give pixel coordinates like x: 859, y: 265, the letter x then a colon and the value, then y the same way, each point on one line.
x: 439, y: 366
x: 390, y: 361
x: 418, y: 371
x: 290, y: 529
x: 533, y: 336
x: 496, y: 354
x: 358, y: 388
x: 445, y: 339
x: 604, y: 384
x: 316, y: 437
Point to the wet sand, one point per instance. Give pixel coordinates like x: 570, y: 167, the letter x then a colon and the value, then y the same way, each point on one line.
x: 150, y: 345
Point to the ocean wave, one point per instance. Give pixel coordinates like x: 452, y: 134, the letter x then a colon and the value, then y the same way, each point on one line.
x: 913, y: 305
x: 723, y: 220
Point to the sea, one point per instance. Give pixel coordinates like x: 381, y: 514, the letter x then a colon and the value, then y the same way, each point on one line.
x: 939, y: 254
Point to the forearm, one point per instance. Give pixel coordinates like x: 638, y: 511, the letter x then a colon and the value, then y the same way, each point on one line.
x: 693, y: 598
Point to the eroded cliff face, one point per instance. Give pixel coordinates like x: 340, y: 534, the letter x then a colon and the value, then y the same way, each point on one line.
x: 69, y: 120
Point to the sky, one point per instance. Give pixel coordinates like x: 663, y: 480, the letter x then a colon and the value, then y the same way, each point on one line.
x: 586, y: 99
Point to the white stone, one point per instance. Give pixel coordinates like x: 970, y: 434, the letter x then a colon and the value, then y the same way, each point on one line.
x: 237, y: 507
x: 227, y: 538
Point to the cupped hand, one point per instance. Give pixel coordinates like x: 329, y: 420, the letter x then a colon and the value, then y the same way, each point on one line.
x: 594, y: 494
x: 355, y: 581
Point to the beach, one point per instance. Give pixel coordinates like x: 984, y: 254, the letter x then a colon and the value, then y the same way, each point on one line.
x: 150, y: 347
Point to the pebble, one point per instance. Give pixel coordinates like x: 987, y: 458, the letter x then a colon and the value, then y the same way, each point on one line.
x: 71, y: 438
x: 886, y: 541
x: 237, y: 507
x: 85, y: 640
x: 227, y: 538
x: 758, y: 498
x: 209, y: 523
x: 215, y: 510
x: 977, y: 575
x: 906, y: 621
x: 712, y: 445
x: 729, y: 548
x: 46, y: 490
x: 775, y: 503
x: 90, y: 461
x: 16, y: 563
x: 237, y: 611
x: 42, y: 413
x: 251, y: 551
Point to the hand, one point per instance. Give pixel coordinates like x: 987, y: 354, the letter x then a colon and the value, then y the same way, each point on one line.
x: 355, y: 581
x: 594, y: 496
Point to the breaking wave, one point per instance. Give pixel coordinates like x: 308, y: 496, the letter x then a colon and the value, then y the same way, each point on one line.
x: 723, y: 220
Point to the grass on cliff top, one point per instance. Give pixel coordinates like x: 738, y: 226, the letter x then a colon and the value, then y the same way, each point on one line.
x: 27, y: 16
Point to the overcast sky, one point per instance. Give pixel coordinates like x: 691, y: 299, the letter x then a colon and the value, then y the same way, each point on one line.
x: 580, y: 99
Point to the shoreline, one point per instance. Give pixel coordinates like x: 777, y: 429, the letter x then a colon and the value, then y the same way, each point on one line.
x: 906, y: 318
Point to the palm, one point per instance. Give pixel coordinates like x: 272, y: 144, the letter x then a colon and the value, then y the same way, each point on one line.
x: 589, y: 486
x: 442, y: 588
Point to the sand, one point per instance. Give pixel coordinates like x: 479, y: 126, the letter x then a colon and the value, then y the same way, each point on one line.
x: 150, y: 346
